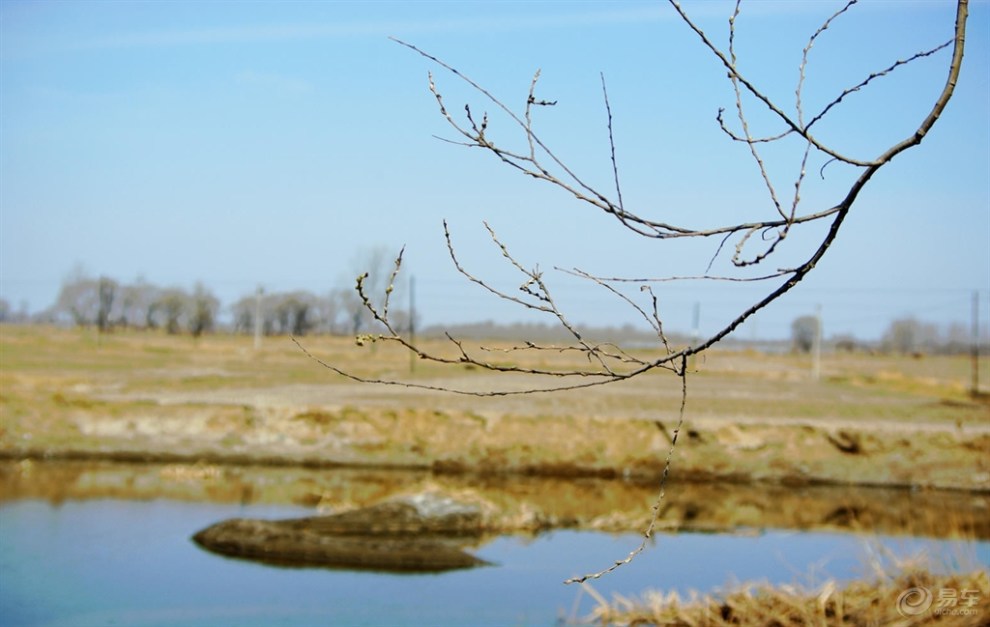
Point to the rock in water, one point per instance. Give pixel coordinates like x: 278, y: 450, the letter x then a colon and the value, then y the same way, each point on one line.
x: 423, y: 532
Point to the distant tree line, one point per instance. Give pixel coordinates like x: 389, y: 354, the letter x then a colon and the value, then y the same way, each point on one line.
x: 299, y: 313
x: 491, y: 330
x: 910, y: 336
x: 903, y: 336
x: 108, y: 304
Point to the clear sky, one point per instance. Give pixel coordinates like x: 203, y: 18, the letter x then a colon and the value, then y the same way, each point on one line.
x: 274, y: 143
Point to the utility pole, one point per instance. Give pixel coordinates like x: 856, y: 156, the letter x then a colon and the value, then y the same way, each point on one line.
x: 975, y: 348
x: 816, y: 346
x: 696, y: 324
x: 695, y: 333
x: 412, y: 321
x: 257, y: 317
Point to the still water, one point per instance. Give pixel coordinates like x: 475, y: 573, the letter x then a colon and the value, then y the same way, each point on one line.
x: 126, y: 562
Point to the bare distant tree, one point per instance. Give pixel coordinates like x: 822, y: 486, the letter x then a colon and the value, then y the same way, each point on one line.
x: 79, y: 299
x: 243, y: 311
x: 169, y: 309
x: 106, y: 291
x: 753, y: 238
x: 295, y: 313
x: 203, y: 307
x: 282, y: 313
x: 135, y: 301
x: 21, y: 315
x: 373, y: 268
x: 958, y: 338
x: 248, y: 307
x: 910, y: 335
x: 803, y: 333
x: 329, y: 311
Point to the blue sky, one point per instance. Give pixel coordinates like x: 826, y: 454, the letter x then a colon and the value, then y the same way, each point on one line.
x: 252, y: 143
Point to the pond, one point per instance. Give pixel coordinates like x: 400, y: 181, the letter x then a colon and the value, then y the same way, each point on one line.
x: 119, y: 561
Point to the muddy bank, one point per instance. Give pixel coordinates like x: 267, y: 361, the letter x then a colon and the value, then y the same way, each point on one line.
x: 791, y: 452
x: 750, y: 417
x: 520, y: 504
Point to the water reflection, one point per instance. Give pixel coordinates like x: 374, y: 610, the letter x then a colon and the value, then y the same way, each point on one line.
x: 522, y: 503
x: 107, y: 561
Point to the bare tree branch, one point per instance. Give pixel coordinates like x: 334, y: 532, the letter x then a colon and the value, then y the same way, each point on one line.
x: 651, y: 527
x: 607, y: 362
x: 536, y: 295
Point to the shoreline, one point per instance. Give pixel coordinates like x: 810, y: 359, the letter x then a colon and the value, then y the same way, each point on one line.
x: 517, y: 504
x: 793, y: 453
x: 441, y: 469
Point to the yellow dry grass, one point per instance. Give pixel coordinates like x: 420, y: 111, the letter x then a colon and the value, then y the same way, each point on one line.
x: 914, y: 597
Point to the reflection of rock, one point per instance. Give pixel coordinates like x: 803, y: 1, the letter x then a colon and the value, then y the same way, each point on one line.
x: 423, y: 532
x: 524, y: 505
x: 418, y: 514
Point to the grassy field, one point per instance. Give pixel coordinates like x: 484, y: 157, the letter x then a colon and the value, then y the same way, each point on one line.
x: 145, y: 396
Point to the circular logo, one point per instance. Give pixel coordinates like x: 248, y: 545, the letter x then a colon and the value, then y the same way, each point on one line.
x: 914, y: 601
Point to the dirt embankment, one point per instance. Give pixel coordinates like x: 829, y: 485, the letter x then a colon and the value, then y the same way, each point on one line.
x: 868, y: 421
x: 794, y: 452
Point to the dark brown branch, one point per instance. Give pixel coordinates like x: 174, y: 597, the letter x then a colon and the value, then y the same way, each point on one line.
x: 609, y: 363
x: 874, y: 76
x: 751, y: 88
x: 530, y: 165
x: 962, y: 11
x: 538, y: 293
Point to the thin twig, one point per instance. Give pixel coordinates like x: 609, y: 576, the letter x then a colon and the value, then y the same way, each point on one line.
x: 648, y: 533
x: 611, y: 145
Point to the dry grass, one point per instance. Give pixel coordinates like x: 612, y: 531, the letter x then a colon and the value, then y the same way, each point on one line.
x: 133, y: 395
x: 744, y: 380
x: 959, y: 599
